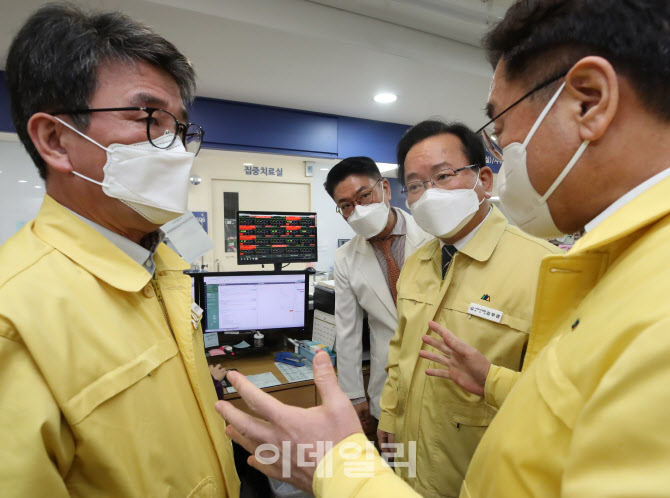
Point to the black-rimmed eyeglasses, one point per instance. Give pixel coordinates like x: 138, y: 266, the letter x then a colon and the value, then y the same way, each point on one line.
x: 490, y: 140
x: 366, y: 197
x: 159, y: 124
x: 441, y: 179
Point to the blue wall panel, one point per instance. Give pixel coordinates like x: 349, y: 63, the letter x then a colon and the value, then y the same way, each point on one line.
x: 256, y: 128
x: 363, y: 137
x: 248, y: 125
x: 6, y: 124
x: 397, y: 198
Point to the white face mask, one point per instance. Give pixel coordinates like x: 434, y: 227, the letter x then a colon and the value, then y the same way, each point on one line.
x: 443, y: 213
x: 152, y: 181
x: 370, y: 220
x: 522, y: 204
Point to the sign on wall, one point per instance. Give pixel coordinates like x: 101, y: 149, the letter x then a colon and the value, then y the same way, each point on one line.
x: 492, y: 162
x: 263, y: 170
x: 201, y: 216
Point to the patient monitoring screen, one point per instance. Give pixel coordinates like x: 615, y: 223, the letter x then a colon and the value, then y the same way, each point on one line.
x: 254, y: 302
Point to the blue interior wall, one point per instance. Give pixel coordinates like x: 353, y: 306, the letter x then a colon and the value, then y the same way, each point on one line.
x: 241, y: 126
x: 256, y: 128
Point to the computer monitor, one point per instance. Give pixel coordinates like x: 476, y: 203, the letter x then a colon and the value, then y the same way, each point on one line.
x: 268, y: 301
x: 275, y: 237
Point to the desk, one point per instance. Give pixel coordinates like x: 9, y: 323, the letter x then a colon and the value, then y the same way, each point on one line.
x: 303, y: 394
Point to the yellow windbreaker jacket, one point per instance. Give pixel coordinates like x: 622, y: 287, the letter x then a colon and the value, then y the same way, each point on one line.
x: 496, y: 272
x: 104, y: 388
x: 589, y: 415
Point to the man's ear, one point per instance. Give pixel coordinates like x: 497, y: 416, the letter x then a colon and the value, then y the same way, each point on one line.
x: 46, y: 134
x: 387, y: 189
x: 592, y: 83
x: 486, y: 178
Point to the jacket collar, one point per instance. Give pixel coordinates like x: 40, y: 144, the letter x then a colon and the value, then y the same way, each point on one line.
x: 481, y: 246
x: 87, y: 247
x: 644, y: 210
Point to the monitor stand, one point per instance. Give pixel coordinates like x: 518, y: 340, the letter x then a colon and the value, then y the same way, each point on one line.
x: 278, y: 266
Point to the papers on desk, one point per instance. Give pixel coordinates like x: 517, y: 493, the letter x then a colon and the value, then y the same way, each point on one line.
x: 296, y: 374
x: 323, y: 328
x: 266, y: 379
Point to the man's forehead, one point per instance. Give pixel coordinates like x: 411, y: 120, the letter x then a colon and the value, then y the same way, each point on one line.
x: 137, y: 83
x: 352, y: 185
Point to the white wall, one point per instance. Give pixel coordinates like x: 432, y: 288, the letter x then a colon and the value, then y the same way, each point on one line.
x: 213, y: 164
x: 331, y: 226
x: 19, y: 202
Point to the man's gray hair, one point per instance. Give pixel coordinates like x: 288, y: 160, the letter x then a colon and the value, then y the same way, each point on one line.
x: 54, y: 59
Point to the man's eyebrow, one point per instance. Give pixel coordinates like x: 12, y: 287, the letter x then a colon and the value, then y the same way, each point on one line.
x: 490, y: 110
x: 148, y: 100
x: 441, y: 165
x: 360, y: 189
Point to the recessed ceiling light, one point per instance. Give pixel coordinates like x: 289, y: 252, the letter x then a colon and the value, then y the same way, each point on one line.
x: 23, y: 181
x: 38, y: 186
x: 386, y: 167
x: 323, y: 169
x: 385, y: 98
x: 247, y: 164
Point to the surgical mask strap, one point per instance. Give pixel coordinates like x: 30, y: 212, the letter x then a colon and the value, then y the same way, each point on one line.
x: 89, y: 179
x: 542, y: 115
x: 90, y: 140
x: 566, y: 170
x: 80, y: 133
x: 574, y: 159
x: 476, y: 183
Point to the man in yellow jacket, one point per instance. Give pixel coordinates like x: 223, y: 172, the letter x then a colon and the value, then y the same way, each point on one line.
x: 105, y: 387
x: 580, y: 108
x: 477, y: 278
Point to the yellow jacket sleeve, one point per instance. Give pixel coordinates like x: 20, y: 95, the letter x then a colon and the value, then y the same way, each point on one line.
x: 621, y: 442
x: 37, y: 448
x: 388, y: 402
x: 499, y: 382
x: 353, y: 468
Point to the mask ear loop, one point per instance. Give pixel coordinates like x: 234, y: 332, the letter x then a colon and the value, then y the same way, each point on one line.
x: 90, y: 140
x: 574, y: 159
x: 542, y: 115
x: 80, y: 133
x: 566, y: 170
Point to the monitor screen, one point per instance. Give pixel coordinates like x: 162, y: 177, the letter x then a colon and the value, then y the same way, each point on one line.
x: 244, y: 301
x: 274, y: 237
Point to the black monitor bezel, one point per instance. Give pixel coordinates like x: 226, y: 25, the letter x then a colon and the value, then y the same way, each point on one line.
x: 196, y: 283
x: 285, y: 330
x: 311, y: 259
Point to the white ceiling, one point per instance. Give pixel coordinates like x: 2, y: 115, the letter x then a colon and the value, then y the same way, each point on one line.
x: 327, y: 56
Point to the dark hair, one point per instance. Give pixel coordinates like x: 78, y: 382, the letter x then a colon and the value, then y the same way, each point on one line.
x: 538, y: 38
x: 473, y: 148
x: 54, y: 59
x: 359, y: 165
